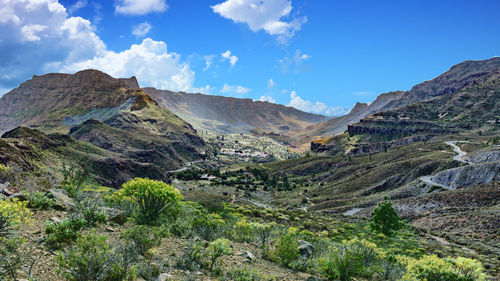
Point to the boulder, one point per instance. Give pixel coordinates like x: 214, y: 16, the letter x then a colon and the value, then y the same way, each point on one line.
x: 313, y: 278
x: 114, y: 215
x: 305, y: 249
x: 248, y: 255
x: 63, y: 201
x: 7, y: 189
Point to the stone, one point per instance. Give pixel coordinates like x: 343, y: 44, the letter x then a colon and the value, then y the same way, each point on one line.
x: 305, y: 249
x: 313, y: 278
x: 114, y: 215
x: 61, y: 198
x: 248, y: 255
x: 165, y: 277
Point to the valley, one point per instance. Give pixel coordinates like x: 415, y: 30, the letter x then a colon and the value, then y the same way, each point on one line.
x: 250, y: 188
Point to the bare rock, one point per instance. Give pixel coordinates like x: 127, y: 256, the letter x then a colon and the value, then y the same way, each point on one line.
x: 61, y: 198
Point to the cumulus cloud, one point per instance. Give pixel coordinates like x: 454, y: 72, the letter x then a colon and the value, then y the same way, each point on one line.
x: 142, y: 29
x: 149, y: 61
x: 234, y: 89
x: 270, y: 83
x: 38, y: 36
x: 142, y: 7
x: 314, y: 107
x: 272, y: 16
x: 228, y: 56
x: 267, y: 98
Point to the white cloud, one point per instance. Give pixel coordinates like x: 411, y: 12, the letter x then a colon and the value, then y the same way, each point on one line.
x: 142, y: 29
x: 208, y: 61
x: 140, y: 7
x: 149, y: 61
x: 48, y: 40
x: 337, y: 111
x: 267, y: 98
x: 270, y: 83
x: 295, y: 62
x: 77, y: 6
x: 314, y: 107
x: 272, y: 16
x: 231, y: 58
x: 38, y: 36
x: 234, y: 89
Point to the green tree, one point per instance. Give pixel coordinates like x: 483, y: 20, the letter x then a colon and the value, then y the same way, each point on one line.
x: 385, y: 218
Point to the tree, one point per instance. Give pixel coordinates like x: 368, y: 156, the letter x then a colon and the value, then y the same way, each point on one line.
x: 385, y: 218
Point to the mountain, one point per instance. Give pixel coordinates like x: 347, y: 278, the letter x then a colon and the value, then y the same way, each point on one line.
x: 465, y: 97
x: 112, y: 114
x: 234, y: 115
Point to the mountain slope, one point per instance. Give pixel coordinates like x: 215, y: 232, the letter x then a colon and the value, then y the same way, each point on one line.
x: 113, y: 114
x: 464, y: 97
x: 233, y: 115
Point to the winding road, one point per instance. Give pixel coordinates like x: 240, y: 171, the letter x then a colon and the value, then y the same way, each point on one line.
x: 459, y: 157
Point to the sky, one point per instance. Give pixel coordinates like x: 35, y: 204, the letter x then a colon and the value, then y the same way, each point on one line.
x: 320, y: 56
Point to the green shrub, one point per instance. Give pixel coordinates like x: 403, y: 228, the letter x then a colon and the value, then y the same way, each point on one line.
x: 287, y: 248
x: 218, y: 248
x: 432, y: 268
x: 144, y: 238
x: 385, y: 218
x: 248, y: 274
x: 73, y: 180
x: 210, y: 226
x: 38, y: 200
x: 66, y: 231
x: 89, y: 207
x: 192, y: 256
x: 89, y: 259
x: 153, y: 198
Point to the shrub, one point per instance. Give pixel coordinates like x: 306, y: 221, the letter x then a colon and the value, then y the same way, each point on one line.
x: 287, y: 248
x: 10, y: 257
x: 66, y: 231
x: 432, y: 268
x: 342, y: 265
x: 73, y: 180
x: 192, y: 256
x: 143, y: 237
x: 209, y: 226
x: 152, y: 197
x: 248, y: 274
x: 89, y: 207
x: 385, y: 218
x: 218, y: 248
x: 87, y: 260
x: 38, y: 200
x: 264, y: 231
x: 12, y: 214
x: 244, y: 231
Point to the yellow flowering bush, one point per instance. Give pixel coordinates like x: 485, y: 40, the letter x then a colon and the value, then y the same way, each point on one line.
x: 153, y: 198
x: 12, y: 214
x: 431, y: 267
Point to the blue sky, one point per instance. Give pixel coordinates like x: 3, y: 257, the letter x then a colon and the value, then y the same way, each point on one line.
x: 322, y: 56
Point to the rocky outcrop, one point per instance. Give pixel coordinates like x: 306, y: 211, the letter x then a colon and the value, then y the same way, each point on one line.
x: 469, y: 175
